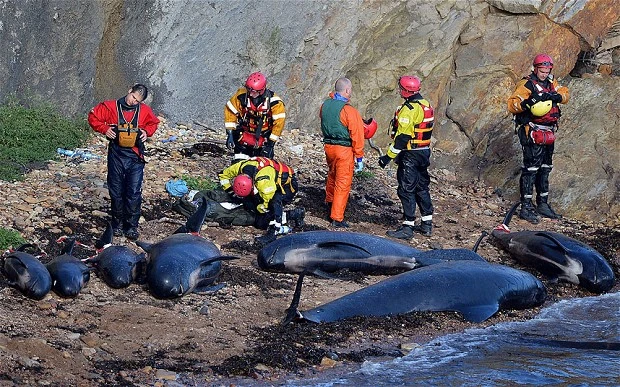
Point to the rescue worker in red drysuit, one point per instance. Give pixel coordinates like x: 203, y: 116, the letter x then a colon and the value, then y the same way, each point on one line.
x: 412, y: 128
x: 254, y: 119
x: 534, y: 103
x: 126, y: 122
x: 266, y: 186
x: 343, y: 138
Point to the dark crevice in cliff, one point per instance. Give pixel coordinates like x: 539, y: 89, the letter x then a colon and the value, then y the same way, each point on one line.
x: 109, y: 78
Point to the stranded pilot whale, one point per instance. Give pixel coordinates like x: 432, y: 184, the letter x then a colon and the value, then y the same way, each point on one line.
x: 69, y: 274
x: 322, y: 252
x: 556, y: 256
x: 27, y: 274
x: 118, y: 266
x: 183, y: 262
x: 475, y: 289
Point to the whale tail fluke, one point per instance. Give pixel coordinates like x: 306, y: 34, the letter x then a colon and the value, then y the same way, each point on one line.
x: 509, y: 214
x: 292, y: 312
x: 477, y: 244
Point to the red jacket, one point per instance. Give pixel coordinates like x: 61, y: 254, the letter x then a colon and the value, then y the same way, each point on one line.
x: 105, y: 114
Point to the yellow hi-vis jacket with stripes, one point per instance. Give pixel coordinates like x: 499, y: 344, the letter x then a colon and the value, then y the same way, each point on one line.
x: 414, y: 120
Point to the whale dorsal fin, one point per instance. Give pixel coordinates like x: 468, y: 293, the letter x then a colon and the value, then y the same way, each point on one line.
x: 106, y: 237
x: 144, y: 245
x: 195, y: 221
x: 68, y: 249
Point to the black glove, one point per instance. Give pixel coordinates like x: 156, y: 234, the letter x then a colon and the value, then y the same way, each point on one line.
x: 230, y: 141
x: 267, y: 150
x: 384, y: 161
x: 527, y: 103
x: 553, y: 97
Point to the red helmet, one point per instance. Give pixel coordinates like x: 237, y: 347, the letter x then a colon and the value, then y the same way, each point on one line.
x: 409, y: 85
x: 256, y: 81
x: 542, y: 60
x: 242, y: 185
x: 370, y: 128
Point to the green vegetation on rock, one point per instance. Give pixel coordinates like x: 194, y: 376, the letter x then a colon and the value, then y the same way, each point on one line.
x: 10, y: 238
x: 199, y: 183
x: 31, y: 134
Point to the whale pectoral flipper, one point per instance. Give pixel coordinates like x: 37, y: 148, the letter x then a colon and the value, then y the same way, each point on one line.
x: 209, y: 288
x: 209, y: 261
x: 323, y: 274
x: 478, y: 313
x: 19, y: 266
x: 553, y: 239
x: 336, y: 244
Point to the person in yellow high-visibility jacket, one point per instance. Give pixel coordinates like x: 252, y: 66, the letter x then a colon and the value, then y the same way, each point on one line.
x: 412, y: 128
x: 266, y: 186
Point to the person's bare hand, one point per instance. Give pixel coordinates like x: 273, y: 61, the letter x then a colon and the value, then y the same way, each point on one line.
x: 110, y: 133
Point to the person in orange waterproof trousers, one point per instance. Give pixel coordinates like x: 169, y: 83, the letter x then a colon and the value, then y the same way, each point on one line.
x: 343, y: 138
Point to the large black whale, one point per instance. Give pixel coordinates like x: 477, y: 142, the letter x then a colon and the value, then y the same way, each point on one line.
x: 183, y: 262
x: 556, y: 256
x: 475, y: 289
x: 322, y: 252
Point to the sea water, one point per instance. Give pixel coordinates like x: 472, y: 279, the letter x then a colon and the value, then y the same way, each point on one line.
x: 574, y: 342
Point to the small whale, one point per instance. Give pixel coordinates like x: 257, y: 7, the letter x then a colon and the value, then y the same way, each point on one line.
x: 27, y: 274
x: 556, y: 256
x: 117, y: 266
x: 184, y: 262
x: 69, y: 274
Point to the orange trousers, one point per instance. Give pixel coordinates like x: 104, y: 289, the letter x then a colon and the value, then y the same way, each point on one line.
x: 339, y: 178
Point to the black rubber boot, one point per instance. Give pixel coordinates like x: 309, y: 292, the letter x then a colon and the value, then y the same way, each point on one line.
x: 425, y: 228
x: 132, y: 234
x: 528, y: 212
x: 403, y: 232
x: 341, y: 224
x: 297, y: 216
x: 545, y: 210
x: 117, y: 227
x: 269, y: 237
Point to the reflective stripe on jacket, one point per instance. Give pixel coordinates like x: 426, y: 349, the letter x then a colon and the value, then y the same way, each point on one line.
x: 524, y: 89
x: 415, y: 119
x: 268, y: 176
x: 240, y: 110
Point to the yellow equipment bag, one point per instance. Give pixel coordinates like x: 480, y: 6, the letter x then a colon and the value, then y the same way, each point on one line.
x: 127, y: 137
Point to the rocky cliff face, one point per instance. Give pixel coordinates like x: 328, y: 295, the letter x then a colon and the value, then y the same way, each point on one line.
x: 194, y: 54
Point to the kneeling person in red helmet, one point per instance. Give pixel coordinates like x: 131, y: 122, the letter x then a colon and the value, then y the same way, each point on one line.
x: 266, y: 186
x: 254, y: 119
